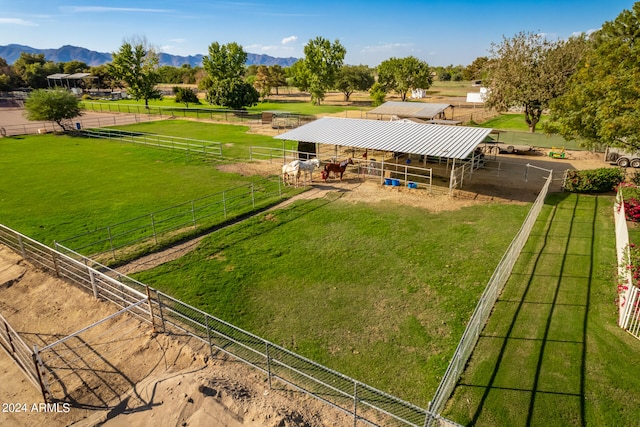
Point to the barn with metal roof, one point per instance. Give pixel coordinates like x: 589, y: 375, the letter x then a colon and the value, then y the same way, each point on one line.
x: 452, y: 142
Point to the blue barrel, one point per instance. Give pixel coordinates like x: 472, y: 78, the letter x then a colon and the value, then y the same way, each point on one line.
x: 387, y: 181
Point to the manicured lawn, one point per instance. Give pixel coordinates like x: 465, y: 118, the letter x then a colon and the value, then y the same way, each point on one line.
x: 379, y: 292
x: 54, y: 187
x: 551, y: 353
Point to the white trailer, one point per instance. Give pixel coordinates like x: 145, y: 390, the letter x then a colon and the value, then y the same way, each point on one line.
x: 622, y: 157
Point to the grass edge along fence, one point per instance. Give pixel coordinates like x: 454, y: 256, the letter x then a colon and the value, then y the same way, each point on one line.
x: 188, y: 145
x: 486, y: 303
x: 178, y: 221
x: 366, y: 404
x: 629, y: 298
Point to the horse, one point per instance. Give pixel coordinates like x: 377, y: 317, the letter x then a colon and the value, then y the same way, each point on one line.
x: 307, y: 166
x: 291, y: 171
x: 338, y: 167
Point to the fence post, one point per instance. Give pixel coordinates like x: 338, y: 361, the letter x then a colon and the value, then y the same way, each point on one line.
x: 153, y: 323
x: 268, y: 365
x: 113, y: 252
x: 153, y: 227
x: 43, y: 389
x: 253, y: 197
x: 206, y: 324
x: 93, y: 283
x: 164, y: 328
x: 21, y: 243
x: 6, y: 327
x: 355, y: 403
x: 193, y: 214
x: 55, y: 262
x: 224, y: 204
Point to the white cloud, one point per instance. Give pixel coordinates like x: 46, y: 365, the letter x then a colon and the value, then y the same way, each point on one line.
x: 101, y: 9
x: 289, y: 39
x: 17, y: 21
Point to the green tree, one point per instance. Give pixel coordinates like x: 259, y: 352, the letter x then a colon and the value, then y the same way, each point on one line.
x: 404, y: 74
x: 74, y: 66
x: 298, y: 76
x: 185, y: 96
x: 32, y: 69
x: 476, y: 70
x: 56, y: 105
x: 262, y: 81
x: 322, y: 62
x: 378, y: 94
x: 602, y: 99
x: 8, y: 78
x: 528, y: 71
x: 277, y: 77
x: 351, y: 78
x: 225, y: 84
x: 136, y: 64
x: 233, y: 93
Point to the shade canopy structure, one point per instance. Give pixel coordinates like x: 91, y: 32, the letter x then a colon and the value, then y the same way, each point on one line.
x: 403, y: 136
x: 418, y: 110
x: 65, y: 80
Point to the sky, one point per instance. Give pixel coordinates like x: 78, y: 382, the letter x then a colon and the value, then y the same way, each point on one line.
x: 441, y: 33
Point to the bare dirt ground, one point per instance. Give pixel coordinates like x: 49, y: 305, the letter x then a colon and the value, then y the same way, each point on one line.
x: 170, y: 380
x: 134, y: 379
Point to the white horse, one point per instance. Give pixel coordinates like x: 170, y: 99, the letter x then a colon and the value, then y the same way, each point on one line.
x: 307, y: 167
x: 291, y: 172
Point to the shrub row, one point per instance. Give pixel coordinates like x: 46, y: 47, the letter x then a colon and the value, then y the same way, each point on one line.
x: 599, y: 180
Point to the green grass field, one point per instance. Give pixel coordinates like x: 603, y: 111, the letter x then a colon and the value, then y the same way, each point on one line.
x: 380, y: 292
x: 552, y: 353
x: 54, y: 187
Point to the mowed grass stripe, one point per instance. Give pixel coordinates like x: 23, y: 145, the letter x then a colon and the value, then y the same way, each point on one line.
x: 551, y: 353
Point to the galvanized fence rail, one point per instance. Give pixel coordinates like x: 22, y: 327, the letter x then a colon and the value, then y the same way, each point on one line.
x: 486, y: 303
x: 78, y: 122
x: 190, y: 146
x: 179, y: 220
x: 629, y: 298
x: 22, y: 354
x: 365, y: 404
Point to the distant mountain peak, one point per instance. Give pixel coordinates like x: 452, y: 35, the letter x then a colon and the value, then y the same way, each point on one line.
x: 92, y: 58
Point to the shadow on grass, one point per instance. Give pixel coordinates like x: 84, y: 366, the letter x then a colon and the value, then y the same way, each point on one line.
x: 540, y: 367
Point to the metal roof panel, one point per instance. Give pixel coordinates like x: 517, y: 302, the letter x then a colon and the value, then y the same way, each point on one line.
x: 399, y: 136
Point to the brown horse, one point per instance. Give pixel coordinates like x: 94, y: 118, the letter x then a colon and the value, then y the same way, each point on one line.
x: 338, y: 167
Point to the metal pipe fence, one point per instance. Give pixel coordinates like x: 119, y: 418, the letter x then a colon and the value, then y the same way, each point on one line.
x: 190, y: 146
x: 485, y: 304
x: 177, y: 221
x: 367, y: 405
x: 80, y: 122
x: 19, y: 351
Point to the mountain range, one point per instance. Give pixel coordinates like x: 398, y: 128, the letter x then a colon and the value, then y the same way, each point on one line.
x: 92, y: 58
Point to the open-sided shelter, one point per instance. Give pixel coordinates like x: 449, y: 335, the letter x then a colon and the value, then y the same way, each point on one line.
x: 456, y: 143
x: 419, y: 111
